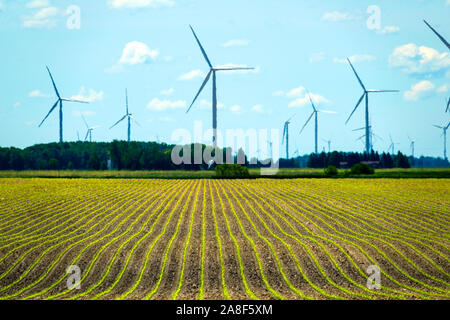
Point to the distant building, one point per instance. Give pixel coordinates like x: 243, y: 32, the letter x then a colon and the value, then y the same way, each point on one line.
x: 373, y: 164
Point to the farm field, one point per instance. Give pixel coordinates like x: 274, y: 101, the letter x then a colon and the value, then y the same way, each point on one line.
x: 210, y: 174
x: 224, y: 239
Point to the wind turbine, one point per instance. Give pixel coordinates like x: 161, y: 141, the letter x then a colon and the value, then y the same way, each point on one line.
x: 392, y: 146
x: 89, y: 130
x: 439, y: 36
x: 315, y: 113
x: 286, y: 135
x: 212, y: 72
x: 444, y: 129
x: 329, y: 144
x: 60, y: 102
x: 127, y: 115
x: 412, y: 145
x: 366, y: 96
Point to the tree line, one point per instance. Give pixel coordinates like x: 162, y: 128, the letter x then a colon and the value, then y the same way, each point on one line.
x: 121, y: 155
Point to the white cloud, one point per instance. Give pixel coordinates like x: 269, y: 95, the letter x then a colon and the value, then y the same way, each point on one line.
x: 388, y: 30
x: 317, y: 57
x: 37, y: 4
x: 236, y: 43
x: 337, y: 16
x: 44, y: 18
x: 260, y: 109
x: 236, y: 109
x: 296, y: 92
x: 303, y: 101
x: 118, y: 4
x: 91, y: 97
x: 1, y: 5
x: 136, y: 52
x: 447, y: 2
x: 278, y: 93
x: 29, y: 123
x: 168, y: 92
x: 192, y: 75
x: 415, y: 59
x: 419, y: 91
x: 37, y: 94
x: 161, y: 105
x: 17, y: 104
x: 444, y: 88
x: 356, y: 58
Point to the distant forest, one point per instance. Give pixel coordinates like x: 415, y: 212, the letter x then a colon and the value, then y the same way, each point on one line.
x: 121, y: 155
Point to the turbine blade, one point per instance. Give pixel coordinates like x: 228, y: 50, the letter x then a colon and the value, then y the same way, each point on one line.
x: 356, y: 74
x: 448, y: 105
x: 233, y: 68
x: 446, y: 128
x: 291, y: 118
x: 439, y: 127
x: 357, y: 105
x: 378, y: 91
x: 135, y: 121
x: 284, y: 133
x: 201, y: 88
x: 201, y: 48
x: 51, y: 110
x: 77, y: 101
x: 87, y: 135
x: 312, y: 103
x: 439, y: 36
x: 327, y: 111
x: 307, y: 121
x: 53, y: 81
x: 118, y: 122
x: 85, y: 122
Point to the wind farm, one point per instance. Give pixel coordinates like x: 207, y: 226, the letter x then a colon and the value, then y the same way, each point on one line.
x: 160, y: 175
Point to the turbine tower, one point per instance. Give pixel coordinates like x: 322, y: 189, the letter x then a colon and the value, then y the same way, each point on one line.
x: 444, y: 133
x: 316, y: 130
x: 366, y: 96
x: 60, y: 102
x: 315, y: 113
x: 392, y: 146
x: 412, y: 145
x: 212, y: 72
x: 270, y: 148
x: 286, y: 135
x: 127, y: 115
x: 439, y: 36
x: 329, y: 144
x: 89, y: 130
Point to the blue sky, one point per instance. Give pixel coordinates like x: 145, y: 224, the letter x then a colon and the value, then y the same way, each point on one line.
x: 147, y: 47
